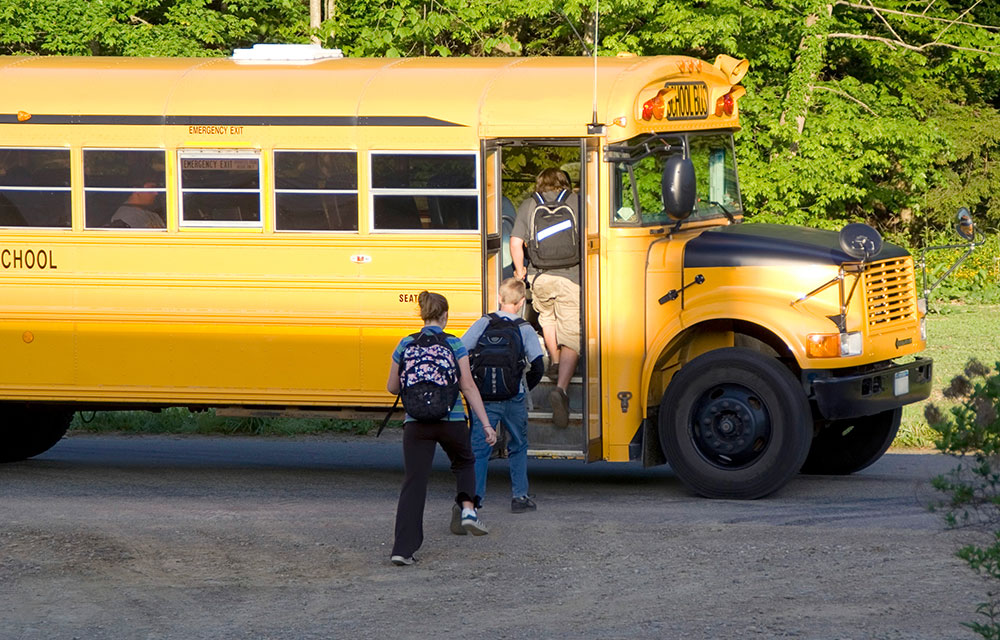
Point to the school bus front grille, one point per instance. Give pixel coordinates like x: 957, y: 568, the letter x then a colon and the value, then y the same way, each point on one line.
x: 891, y: 296
x: 690, y: 103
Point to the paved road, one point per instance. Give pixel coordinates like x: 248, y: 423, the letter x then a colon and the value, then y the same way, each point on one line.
x: 194, y: 537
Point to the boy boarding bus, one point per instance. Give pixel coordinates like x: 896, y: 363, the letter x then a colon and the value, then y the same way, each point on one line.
x: 306, y: 202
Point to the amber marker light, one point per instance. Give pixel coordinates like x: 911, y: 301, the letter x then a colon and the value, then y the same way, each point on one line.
x: 23, y: 116
x: 833, y: 345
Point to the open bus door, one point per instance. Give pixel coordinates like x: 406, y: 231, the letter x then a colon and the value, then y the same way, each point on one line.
x: 582, y: 438
x: 590, y: 292
x: 491, y: 226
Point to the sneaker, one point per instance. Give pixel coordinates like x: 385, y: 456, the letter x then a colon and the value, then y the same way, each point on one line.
x: 456, y: 520
x: 560, y: 407
x: 474, y: 525
x: 522, y: 504
x: 403, y: 561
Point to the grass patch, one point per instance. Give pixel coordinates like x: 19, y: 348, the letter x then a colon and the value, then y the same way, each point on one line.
x: 955, y: 333
x: 178, y: 420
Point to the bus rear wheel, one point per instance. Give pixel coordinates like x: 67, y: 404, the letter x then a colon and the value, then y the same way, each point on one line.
x: 734, y: 423
x: 847, y: 446
x: 28, y: 431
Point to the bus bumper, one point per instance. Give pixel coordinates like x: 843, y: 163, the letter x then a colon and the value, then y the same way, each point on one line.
x: 839, y: 397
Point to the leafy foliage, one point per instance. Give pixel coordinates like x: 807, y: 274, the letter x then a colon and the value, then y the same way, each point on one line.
x: 147, y: 27
x: 971, y: 429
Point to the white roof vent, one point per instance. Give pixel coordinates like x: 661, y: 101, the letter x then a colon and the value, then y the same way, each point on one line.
x: 285, y: 54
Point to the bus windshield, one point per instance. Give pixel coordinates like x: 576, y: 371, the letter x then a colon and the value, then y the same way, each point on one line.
x: 639, y: 178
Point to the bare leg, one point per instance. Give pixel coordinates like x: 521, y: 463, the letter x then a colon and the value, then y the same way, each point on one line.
x: 551, y: 343
x: 567, y: 364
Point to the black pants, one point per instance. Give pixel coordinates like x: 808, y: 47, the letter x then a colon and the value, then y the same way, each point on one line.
x: 419, y: 441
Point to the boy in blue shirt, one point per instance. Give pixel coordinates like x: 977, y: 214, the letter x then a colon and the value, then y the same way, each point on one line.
x: 513, y: 411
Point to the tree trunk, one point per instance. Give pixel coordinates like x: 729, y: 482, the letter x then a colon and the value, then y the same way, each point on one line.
x: 315, y: 18
x: 805, y: 72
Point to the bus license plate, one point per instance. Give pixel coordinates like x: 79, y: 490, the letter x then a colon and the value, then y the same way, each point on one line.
x: 901, y: 384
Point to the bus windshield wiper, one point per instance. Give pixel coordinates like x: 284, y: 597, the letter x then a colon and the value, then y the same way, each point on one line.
x: 729, y: 216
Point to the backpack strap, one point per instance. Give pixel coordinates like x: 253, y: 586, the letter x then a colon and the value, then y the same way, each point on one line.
x: 387, y: 416
x: 563, y: 195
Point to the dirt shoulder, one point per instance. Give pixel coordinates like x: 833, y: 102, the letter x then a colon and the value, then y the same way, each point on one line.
x: 169, y: 537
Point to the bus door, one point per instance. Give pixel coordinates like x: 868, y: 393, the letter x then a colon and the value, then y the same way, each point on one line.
x: 509, y: 170
x: 590, y: 293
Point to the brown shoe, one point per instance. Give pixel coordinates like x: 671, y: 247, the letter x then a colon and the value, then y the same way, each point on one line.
x: 560, y: 407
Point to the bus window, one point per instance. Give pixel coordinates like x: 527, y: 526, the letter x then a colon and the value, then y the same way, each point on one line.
x: 220, y: 189
x: 437, y: 192
x: 124, y: 188
x: 34, y: 188
x: 316, y: 190
x: 715, y: 174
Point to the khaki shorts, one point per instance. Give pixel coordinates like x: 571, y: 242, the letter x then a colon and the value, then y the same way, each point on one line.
x: 557, y: 301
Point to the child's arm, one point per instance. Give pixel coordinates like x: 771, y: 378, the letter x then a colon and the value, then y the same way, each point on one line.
x: 534, y: 375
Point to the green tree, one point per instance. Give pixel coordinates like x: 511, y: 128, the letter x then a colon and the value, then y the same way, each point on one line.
x: 147, y: 27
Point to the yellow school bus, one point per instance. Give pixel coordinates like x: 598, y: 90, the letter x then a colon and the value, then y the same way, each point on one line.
x: 250, y: 234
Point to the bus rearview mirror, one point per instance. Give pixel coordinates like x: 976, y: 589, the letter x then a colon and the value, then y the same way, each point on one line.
x: 678, y: 187
x: 965, y: 227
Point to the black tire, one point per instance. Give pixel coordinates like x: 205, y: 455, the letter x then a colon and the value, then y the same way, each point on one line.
x: 28, y: 431
x: 735, y: 424
x: 847, y: 446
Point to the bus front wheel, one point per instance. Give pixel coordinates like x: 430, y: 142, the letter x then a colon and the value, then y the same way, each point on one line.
x: 735, y: 423
x: 847, y: 446
x: 28, y: 431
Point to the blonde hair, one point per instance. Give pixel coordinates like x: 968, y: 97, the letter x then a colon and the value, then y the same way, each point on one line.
x: 432, y: 305
x: 511, y: 291
x: 551, y: 179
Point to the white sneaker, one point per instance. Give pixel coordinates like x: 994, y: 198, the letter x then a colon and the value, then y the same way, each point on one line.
x: 475, y: 526
x: 403, y: 561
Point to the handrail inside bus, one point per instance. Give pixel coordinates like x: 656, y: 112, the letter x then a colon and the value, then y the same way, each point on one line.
x: 627, y: 153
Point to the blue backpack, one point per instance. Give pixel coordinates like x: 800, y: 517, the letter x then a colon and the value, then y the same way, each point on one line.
x: 428, y: 377
x: 497, y: 360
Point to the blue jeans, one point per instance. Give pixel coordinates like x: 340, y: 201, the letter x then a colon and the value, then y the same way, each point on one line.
x: 514, y: 415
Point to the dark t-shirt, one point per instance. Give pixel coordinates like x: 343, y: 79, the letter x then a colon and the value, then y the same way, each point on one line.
x: 522, y: 231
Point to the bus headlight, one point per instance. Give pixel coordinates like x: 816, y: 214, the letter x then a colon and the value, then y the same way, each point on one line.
x: 833, y: 345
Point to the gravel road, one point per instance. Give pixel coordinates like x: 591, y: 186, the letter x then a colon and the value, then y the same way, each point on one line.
x: 195, y: 537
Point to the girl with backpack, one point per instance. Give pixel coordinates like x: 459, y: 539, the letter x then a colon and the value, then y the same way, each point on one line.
x: 428, y: 368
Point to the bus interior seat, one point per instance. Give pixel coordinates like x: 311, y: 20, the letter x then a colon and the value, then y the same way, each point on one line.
x: 397, y: 212
x: 10, y: 215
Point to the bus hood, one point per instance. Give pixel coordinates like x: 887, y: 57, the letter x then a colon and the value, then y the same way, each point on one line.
x: 749, y: 244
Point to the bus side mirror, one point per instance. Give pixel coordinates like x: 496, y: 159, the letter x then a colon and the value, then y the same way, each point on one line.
x: 678, y: 187
x: 965, y: 227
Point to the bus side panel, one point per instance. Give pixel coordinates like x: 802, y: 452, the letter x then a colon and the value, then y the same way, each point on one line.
x: 402, y: 267
x: 36, y: 353
x: 203, y: 362
x: 151, y: 317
